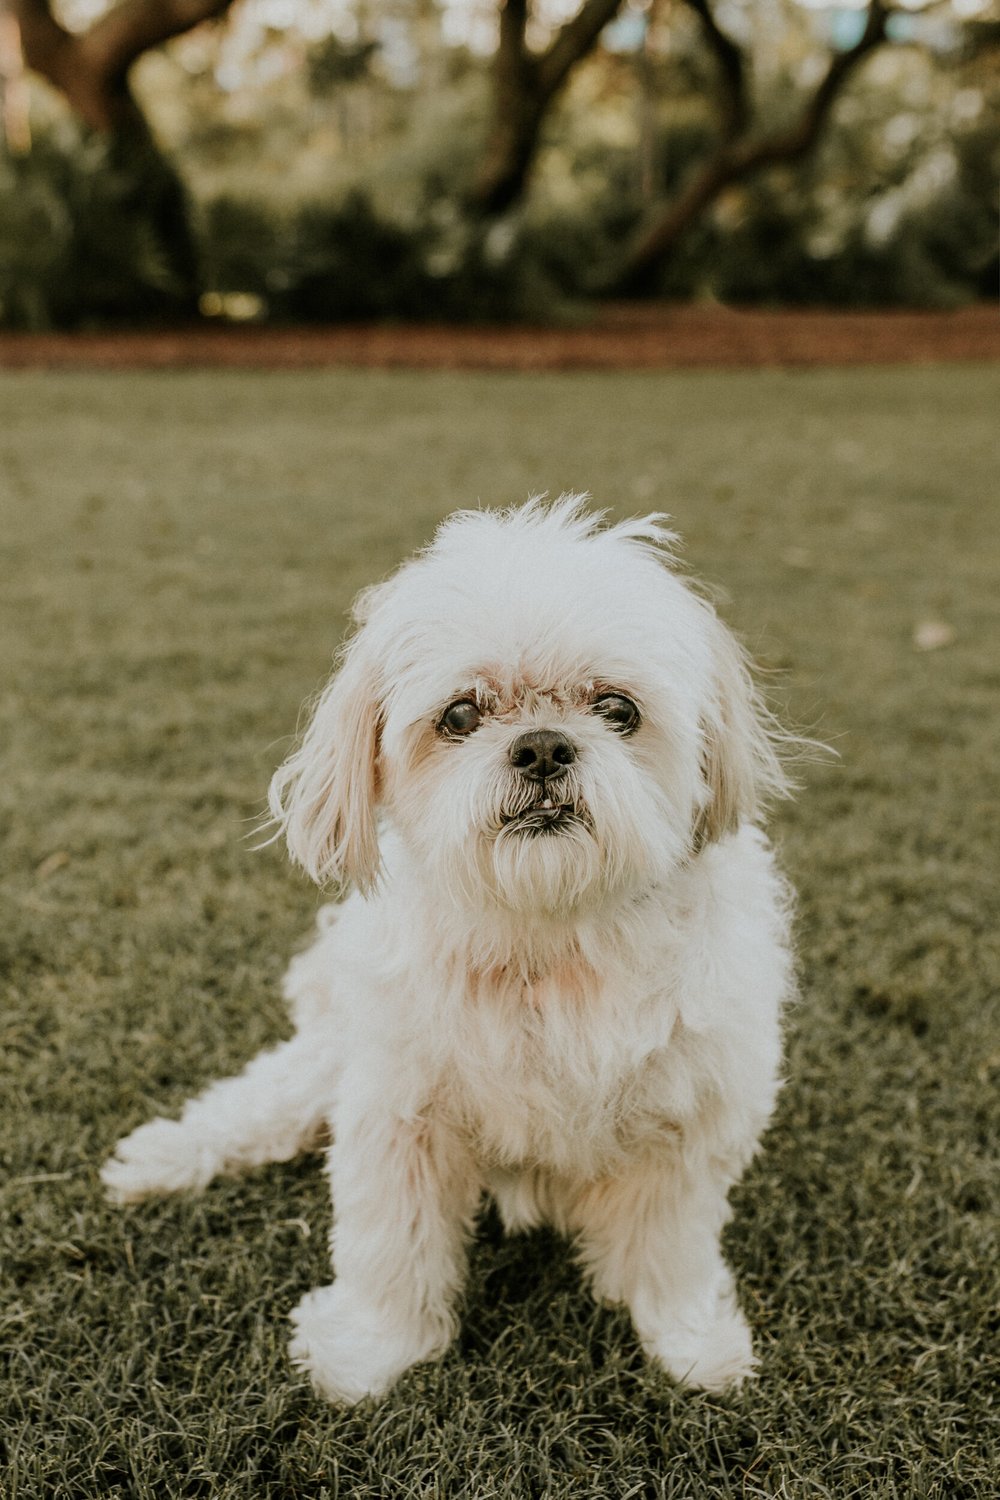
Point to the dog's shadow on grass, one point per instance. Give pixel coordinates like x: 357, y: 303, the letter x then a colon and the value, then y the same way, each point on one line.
x: 527, y: 1309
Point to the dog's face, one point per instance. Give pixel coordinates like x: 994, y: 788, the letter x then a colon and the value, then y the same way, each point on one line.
x: 544, y: 711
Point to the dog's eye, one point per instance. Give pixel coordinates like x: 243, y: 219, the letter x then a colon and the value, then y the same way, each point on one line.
x: 460, y: 718
x: 620, y: 712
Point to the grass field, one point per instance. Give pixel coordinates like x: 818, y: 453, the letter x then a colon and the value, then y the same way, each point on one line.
x: 178, y: 551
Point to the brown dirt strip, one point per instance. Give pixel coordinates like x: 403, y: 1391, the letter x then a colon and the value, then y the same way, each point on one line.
x: 638, y: 337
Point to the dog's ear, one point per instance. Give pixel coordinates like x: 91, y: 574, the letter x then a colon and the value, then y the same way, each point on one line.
x: 740, y: 765
x: 324, y: 797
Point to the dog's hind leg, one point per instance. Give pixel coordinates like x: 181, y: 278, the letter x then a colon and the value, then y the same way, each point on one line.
x: 276, y: 1107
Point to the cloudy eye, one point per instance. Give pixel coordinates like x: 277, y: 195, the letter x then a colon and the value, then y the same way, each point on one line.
x: 620, y: 712
x: 460, y: 719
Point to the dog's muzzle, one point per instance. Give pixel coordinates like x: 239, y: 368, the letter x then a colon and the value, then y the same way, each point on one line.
x: 541, y: 758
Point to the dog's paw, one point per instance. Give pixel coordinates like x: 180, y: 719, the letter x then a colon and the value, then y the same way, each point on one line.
x: 716, y: 1356
x: 352, y: 1350
x: 164, y: 1156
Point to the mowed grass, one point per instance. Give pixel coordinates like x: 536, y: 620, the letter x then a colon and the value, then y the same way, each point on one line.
x: 178, y: 552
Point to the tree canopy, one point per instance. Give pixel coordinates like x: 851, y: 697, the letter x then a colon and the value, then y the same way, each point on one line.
x: 471, y: 106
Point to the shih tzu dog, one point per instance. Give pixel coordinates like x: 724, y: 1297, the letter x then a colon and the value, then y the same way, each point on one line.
x: 557, y: 975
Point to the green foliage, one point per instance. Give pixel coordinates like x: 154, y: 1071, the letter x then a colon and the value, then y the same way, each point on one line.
x: 895, y: 207
x: 919, y: 231
x: 331, y: 62
x: 242, y: 247
x: 345, y: 260
x: 342, y: 196
x: 348, y: 259
x: 79, y: 245
x: 177, y: 571
x: 92, y: 230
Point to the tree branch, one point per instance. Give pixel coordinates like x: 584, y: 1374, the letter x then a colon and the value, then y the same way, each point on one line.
x: 731, y: 63
x: 44, y: 43
x: 128, y: 30
x: 572, y: 42
x: 91, y: 67
x: 514, y: 63
x: 789, y: 145
x: 739, y: 155
x: 524, y: 86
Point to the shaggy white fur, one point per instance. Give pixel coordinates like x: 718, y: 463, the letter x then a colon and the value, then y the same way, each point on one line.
x: 558, y: 975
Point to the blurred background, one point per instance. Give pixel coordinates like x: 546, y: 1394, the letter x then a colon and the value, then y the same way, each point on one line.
x: 321, y: 160
x: 277, y: 185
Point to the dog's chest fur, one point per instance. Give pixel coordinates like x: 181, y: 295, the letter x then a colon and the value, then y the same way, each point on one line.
x: 556, y: 1070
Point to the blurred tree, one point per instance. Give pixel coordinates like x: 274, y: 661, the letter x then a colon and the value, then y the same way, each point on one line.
x: 525, y: 84
x: 312, y: 154
x: 91, y: 68
x: 741, y: 148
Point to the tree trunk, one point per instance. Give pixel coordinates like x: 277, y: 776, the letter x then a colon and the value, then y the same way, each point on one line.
x: 150, y: 189
x: 91, y: 70
x: 525, y: 84
x: 510, y: 152
x: 654, y: 247
x: 517, y: 115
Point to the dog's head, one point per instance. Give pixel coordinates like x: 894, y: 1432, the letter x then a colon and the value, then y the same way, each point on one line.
x: 543, y: 709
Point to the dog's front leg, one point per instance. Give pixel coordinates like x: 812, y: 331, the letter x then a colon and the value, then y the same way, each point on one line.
x: 405, y: 1191
x: 650, y: 1239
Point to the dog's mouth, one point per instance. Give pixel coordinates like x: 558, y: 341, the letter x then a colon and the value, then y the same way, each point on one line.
x: 544, y: 816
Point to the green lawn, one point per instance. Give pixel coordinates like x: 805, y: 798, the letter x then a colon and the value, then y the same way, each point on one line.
x: 178, y: 551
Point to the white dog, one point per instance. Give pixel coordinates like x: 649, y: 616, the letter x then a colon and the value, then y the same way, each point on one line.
x: 559, y: 974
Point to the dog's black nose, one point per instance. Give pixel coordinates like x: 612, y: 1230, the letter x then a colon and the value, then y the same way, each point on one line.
x: 541, y: 753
